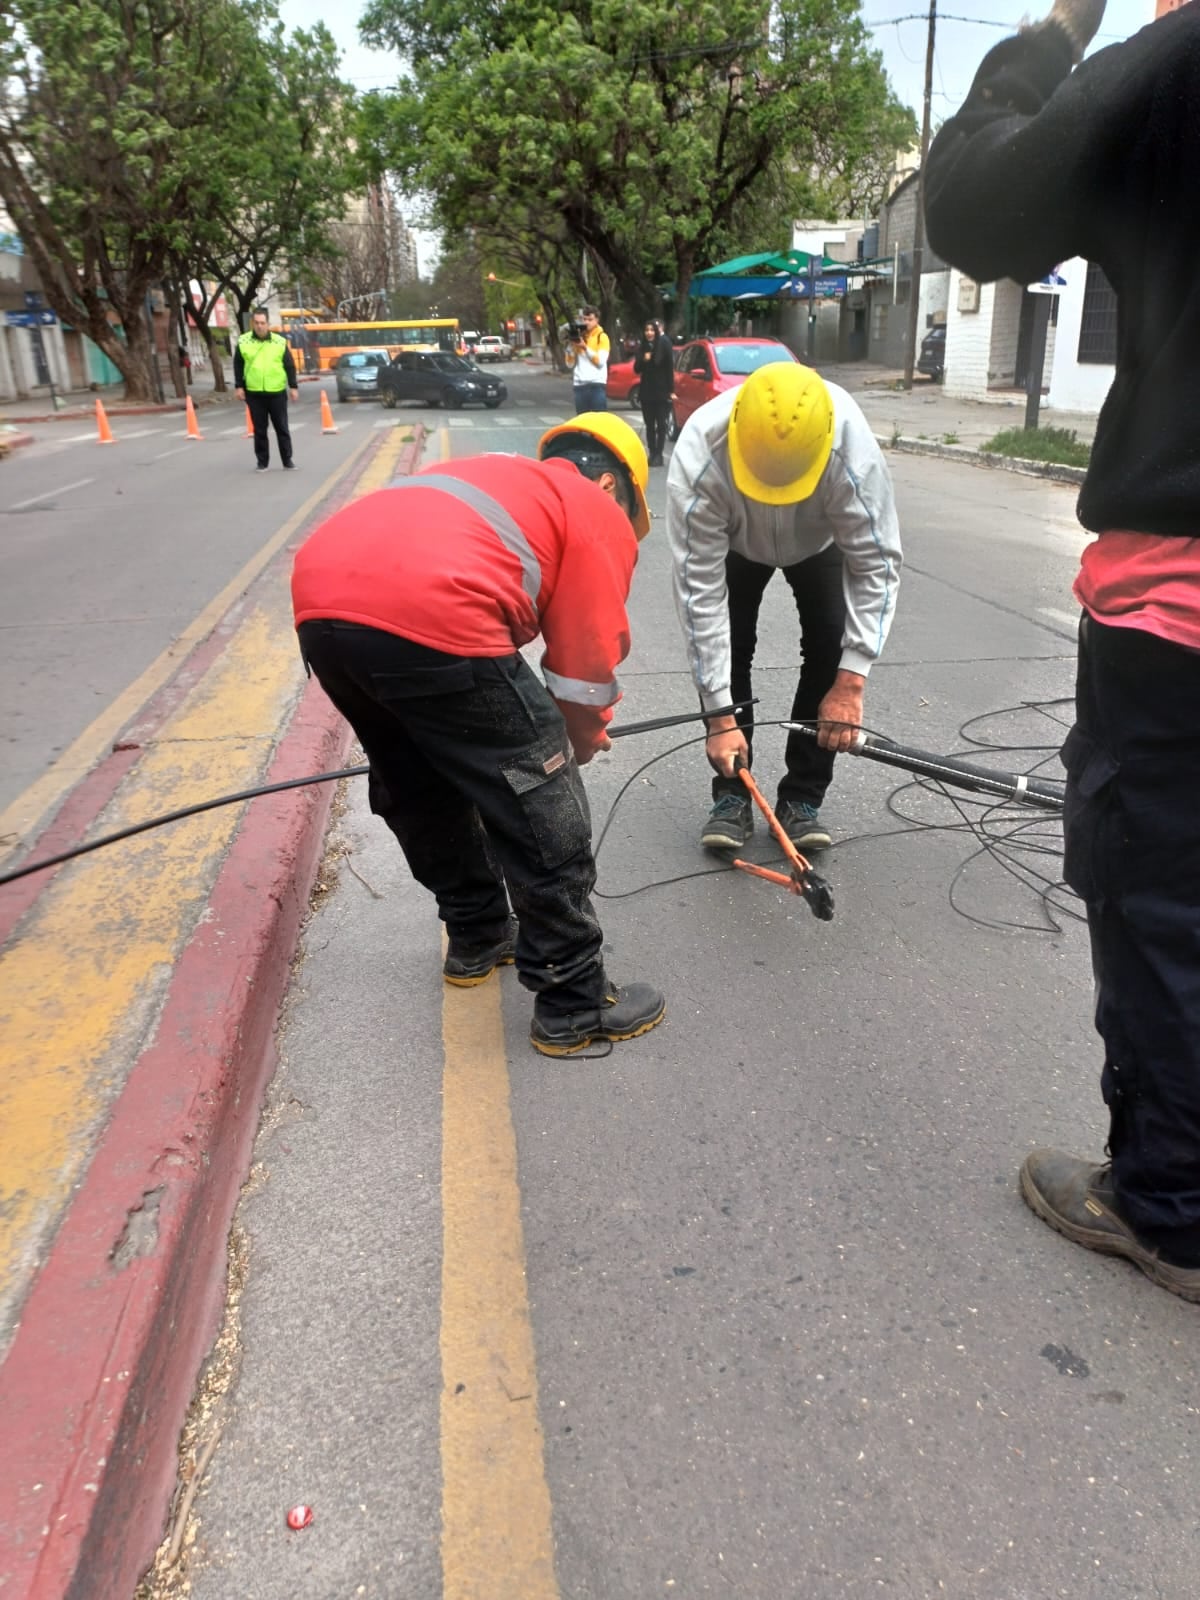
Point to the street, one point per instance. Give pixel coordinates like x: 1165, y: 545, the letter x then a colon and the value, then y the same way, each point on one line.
x: 750, y: 1306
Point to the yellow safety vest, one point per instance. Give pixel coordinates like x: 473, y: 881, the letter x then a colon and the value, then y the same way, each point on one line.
x: 263, y: 360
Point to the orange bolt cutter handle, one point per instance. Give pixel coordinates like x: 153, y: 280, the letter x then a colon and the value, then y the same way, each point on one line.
x: 802, y: 880
x: 799, y: 864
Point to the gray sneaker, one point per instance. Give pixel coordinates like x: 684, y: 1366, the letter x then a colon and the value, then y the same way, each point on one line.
x: 1076, y: 1198
x: 802, y: 824
x: 730, y: 823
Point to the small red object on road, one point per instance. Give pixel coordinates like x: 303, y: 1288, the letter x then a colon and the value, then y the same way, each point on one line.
x: 299, y: 1517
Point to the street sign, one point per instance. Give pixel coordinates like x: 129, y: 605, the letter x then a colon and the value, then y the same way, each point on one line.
x: 30, y: 319
x: 35, y: 300
x: 1052, y: 283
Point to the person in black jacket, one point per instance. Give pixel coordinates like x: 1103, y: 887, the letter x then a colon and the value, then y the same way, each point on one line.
x: 1045, y: 162
x: 654, y: 367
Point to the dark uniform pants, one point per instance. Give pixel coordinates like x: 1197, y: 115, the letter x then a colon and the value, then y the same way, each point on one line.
x: 271, y: 408
x: 656, y: 414
x: 816, y: 585
x: 472, y: 770
x: 1132, y: 851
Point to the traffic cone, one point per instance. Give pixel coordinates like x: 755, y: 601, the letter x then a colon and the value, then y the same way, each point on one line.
x: 193, y: 427
x: 249, y: 433
x: 328, y: 425
x: 105, y: 433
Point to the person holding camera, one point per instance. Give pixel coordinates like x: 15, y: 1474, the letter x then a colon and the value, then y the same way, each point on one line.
x: 587, y: 354
x: 654, y: 366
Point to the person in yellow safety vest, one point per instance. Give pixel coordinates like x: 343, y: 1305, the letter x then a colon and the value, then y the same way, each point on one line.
x: 264, y: 374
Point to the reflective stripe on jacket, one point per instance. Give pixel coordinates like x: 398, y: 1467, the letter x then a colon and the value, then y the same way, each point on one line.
x: 263, y: 363
x: 476, y: 558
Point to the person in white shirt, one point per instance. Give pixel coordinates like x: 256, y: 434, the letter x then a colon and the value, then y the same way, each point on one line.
x: 781, y: 473
x: 589, y: 358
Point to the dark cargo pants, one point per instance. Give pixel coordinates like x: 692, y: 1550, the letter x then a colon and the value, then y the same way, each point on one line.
x: 1132, y: 851
x: 472, y: 770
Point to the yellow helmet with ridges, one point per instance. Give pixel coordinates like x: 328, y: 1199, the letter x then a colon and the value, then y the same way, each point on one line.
x: 619, y: 439
x: 781, y: 433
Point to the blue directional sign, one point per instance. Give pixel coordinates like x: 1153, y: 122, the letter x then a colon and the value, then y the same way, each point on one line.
x: 30, y: 319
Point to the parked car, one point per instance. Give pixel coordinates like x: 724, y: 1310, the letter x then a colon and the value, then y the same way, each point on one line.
x: 436, y: 379
x: 492, y: 348
x: 932, y: 359
x: 709, y: 367
x: 623, y: 384
x: 357, y: 374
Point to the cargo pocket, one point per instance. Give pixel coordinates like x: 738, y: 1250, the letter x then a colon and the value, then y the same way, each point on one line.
x: 424, y: 682
x: 1089, y: 816
x: 546, y: 787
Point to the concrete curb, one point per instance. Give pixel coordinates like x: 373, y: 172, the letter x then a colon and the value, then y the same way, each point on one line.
x: 984, y: 458
x: 13, y: 441
x: 118, y: 408
x: 96, y: 1384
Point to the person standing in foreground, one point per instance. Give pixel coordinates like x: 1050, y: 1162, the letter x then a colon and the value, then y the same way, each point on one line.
x: 783, y: 472
x: 264, y: 374
x: 654, y: 367
x: 588, y: 357
x: 1043, y: 163
x: 412, y: 605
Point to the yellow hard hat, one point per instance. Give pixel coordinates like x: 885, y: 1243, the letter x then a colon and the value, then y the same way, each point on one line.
x: 617, y: 436
x: 781, y: 433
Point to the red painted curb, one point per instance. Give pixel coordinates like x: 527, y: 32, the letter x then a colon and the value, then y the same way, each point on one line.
x: 14, y: 441
x: 97, y: 1382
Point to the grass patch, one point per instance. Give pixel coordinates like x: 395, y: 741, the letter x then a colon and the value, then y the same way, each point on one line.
x: 1062, y: 445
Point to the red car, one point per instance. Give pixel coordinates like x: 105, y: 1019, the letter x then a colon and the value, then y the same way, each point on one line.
x: 708, y: 367
x: 622, y: 383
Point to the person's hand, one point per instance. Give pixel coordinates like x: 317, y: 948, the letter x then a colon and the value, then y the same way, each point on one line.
x: 1079, y: 19
x: 241, y: 393
x: 725, y: 743
x: 584, y: 753
x: 295, y: 393
x: 839, y: 716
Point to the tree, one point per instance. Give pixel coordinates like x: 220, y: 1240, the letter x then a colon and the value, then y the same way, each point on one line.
x: 650, y: 131
x: 272, y: 207
x: 111, y: 115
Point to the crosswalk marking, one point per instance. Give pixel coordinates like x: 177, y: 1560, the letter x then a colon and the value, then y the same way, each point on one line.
x: 461, y: 422
x: 551, y: 421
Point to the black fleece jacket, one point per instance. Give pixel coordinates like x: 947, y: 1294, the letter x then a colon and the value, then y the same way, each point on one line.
x: 1043, y: 163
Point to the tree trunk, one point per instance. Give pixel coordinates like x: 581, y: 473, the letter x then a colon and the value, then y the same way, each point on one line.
x: 685, y: 271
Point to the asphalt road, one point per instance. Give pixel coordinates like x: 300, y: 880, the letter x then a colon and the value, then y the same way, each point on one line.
x: 795, y: 1332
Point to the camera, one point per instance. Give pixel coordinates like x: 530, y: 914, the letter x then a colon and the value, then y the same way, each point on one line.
x: 574, y: 332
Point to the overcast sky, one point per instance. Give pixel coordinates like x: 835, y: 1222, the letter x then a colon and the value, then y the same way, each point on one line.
x: 966, y: 29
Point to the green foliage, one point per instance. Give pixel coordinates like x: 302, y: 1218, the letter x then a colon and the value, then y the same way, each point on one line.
x: 135, y: 134
x: 656, y: 136
x: 1062, y: 445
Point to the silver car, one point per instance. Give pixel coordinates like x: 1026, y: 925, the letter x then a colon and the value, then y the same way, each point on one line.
x: 357, y: 374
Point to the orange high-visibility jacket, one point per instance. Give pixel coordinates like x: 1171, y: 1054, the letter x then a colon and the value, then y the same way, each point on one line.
x: 476, y: 558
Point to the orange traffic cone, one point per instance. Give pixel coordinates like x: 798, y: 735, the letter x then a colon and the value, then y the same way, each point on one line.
x: 105, y: 433
x: 328, y: 425
x: 193, y: 427
x: 249, y: 433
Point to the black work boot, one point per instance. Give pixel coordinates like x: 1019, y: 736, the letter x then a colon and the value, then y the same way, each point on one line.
x: 1076, y: 1197
x: 469, y: 962
x: 730, y: 823
x: 622, y: 1014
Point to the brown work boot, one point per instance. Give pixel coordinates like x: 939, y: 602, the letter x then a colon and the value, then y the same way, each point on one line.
x: 1076, y: 1197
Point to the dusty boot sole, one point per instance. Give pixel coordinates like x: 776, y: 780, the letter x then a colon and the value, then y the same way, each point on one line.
x: 1107, y: 1243
x: 548, y: 1049
x: 474, y: 979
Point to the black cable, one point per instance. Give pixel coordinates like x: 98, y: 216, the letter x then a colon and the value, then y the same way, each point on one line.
x: 177, y: 816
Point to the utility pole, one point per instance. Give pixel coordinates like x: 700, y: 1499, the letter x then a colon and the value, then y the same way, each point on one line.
x: 918, y: 250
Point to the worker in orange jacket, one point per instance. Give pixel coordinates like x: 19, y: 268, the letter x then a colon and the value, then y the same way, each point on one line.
x: 412, y: 605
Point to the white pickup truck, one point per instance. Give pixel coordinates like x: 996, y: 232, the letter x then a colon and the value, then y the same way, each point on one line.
x: 492, y: 348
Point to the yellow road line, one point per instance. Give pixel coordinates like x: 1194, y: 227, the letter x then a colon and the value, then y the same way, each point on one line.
x: 19, y: 819
x: 444, y: 446
x: 82, y: 983
x: 497, y: 1537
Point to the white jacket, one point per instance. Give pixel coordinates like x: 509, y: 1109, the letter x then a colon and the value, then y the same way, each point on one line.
x: 853, y: 507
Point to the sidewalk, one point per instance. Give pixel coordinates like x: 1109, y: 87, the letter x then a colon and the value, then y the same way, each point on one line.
x: 927, y: 412
x: 80, y: 404
x: 144, y: 983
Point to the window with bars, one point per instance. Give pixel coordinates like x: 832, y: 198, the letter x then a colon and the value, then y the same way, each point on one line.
x: 1098, y: 329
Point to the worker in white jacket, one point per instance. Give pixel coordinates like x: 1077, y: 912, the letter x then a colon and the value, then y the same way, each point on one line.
x: 783, y: 472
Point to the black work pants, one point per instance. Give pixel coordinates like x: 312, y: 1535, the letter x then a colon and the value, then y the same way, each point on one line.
x: 273, y: 408
x: 1132, y: 851
x: 472, y: 771
x: 816, y: 586
x: 655, y: 414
